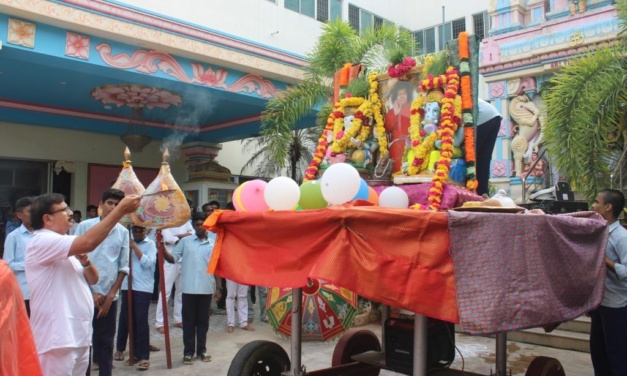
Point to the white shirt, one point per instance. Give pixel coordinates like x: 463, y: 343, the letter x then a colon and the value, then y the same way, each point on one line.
x: 61, y: 303
x: 170, y: 237
x: 486, y: 112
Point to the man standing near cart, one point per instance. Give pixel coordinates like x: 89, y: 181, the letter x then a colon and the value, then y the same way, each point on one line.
x: 608, y: 333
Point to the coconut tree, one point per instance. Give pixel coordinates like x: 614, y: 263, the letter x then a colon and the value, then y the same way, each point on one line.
x: 586, y: 106
x: 299, y: 144
x: 339, y: 44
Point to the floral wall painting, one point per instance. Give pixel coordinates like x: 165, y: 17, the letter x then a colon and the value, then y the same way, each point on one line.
x: 77, y: 46
x: 21, y: 33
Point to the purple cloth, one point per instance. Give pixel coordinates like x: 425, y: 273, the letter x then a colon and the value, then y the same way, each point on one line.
x: 452, y: 197
x: 516, y: 271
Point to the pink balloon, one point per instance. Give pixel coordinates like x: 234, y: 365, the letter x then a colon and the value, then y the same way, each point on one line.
x: 250, y: 198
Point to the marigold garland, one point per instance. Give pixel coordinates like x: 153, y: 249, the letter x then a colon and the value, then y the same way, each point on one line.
x: 448, y: 125
x: 379, y: 121
x: 467, y: 106
x: 335, y: 125
x: 341, y: 137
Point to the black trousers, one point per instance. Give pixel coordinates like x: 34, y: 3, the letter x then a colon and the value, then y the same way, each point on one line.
x: 484, y: 145
x: 141, y: 330
x: 608, y: 341
x: 195, y: 323
x: 27, y: 304
x: 102, y: 340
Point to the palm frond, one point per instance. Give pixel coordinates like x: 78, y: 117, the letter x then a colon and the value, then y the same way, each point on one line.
x: 584, y: 105
x: 333, y: 48
x: 621, y: 6
x: 375, y: 45
x: 283, y: 112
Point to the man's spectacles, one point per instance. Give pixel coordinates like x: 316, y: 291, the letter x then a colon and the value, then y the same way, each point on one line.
x: 65, y: 209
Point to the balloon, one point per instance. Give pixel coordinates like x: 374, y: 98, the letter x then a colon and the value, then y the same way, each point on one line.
x: 282, y: 193
x: 237, y: 197
x: 363, y: 192
x: 394, y: 197
x: 372, y: 196
x: 250, y: 196
x: 311, y: 195
x: 340, y: 183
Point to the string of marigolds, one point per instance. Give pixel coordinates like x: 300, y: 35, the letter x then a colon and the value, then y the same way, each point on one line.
x: 378, y: 116
x: 342, y: 137
x: 335, y: 125
x: 448, y: 126
x: 449, y: 120
x: 467, y: 112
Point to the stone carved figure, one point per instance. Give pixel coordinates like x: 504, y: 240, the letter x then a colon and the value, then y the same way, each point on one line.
x: 529, y: 128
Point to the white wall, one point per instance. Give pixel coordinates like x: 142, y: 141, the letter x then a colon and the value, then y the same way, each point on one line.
x: 259, y: 20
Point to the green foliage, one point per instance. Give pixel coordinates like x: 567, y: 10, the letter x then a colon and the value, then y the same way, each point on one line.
x: 621, y: 6
x: 439, y: 64
x: 339, y: 44
x: 299, y: 145
x: 359, y: 87
x: 585, y: 103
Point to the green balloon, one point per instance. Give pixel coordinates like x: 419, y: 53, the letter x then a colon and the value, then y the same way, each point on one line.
x: 311, y: 196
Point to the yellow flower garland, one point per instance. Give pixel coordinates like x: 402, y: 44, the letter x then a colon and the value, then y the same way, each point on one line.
x: 376, y: 113
x: 341, y: 140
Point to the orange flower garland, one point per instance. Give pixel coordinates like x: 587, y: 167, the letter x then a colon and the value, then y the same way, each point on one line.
x: 321, y: 148
x: 448, y: 124
x: 467, y: 115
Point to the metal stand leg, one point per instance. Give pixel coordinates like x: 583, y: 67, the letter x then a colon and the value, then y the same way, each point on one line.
x: 420, y: 345
x: 501, y: 354
x: 385, y: 315
x: 297, y: 323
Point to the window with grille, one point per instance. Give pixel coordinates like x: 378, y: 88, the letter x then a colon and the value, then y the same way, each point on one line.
x: 458, y: 26
x: 362, y: 20
x: 481, y: 24
x: 353, y: 17
x: 378, y: 22
x: 322, y: 13
x: 321, y: 10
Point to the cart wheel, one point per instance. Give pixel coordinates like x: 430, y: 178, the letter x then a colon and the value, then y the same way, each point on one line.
x: 259, y: 358
x: 353, y: 342
x: 545, y: 366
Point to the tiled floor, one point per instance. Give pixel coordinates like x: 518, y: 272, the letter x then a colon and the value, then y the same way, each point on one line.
x: 477, y: 352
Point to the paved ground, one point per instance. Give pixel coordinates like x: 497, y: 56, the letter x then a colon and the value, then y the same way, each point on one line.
x: 477, y: 352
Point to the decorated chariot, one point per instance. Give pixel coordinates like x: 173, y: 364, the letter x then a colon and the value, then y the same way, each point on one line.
x: 411, y: 132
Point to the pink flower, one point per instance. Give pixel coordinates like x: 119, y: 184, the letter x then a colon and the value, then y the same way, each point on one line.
x: 77, y: 46
x: 339, y: 136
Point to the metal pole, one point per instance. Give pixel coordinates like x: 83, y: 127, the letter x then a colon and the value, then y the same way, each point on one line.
x: 420, y: 345
x: 385, y: 315
x: 442, y: 42
x: 297, y: 323
x: 501, y: 354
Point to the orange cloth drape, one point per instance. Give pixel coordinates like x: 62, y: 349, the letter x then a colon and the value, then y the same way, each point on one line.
x: 18, y: 354
x: 395, y: 256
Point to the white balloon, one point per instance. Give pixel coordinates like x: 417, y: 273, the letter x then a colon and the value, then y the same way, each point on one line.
x: 340, y: 183
x: 394, y: 197
x: 282, y: 193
